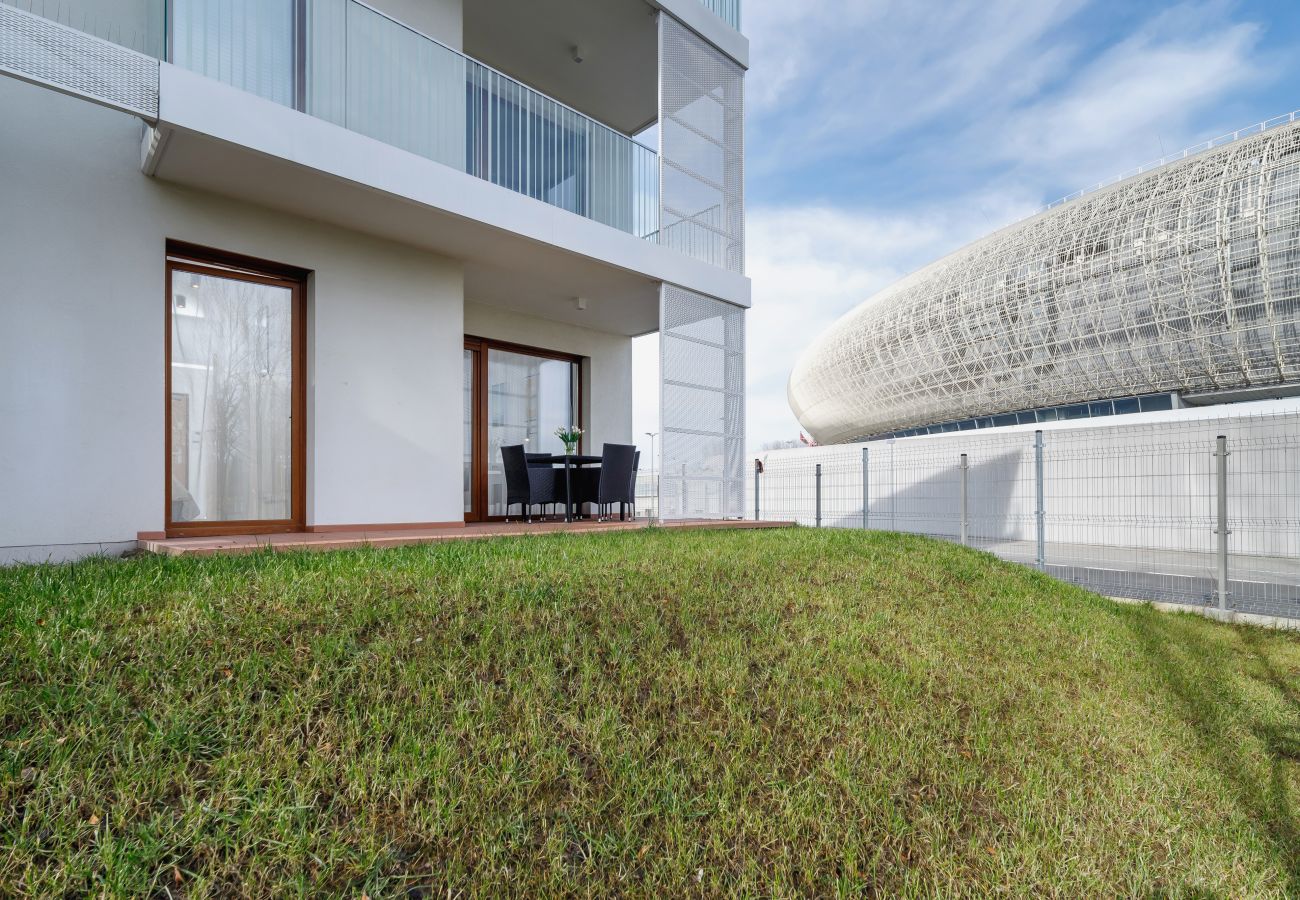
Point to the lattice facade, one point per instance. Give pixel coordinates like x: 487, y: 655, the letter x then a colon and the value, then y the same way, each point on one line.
x: 1186, y: 278
x: 66, y: 59
x: 702, y: 406
x: 701, y: 148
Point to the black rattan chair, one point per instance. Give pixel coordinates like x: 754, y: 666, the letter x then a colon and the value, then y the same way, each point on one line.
x: 617, y: 474
x: 543, y: 461
x: 631, y: 484
x: 527, y: 485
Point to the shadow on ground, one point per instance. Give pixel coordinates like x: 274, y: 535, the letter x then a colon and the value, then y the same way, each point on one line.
x: 1208, y: 690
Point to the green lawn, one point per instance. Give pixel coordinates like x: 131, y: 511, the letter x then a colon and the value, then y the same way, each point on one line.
x: 667, y: 713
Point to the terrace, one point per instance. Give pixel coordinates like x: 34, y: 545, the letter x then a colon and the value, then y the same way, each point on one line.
x: 350, y: 539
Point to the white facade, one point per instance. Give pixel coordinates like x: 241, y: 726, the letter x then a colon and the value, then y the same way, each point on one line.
x: 404, y: 257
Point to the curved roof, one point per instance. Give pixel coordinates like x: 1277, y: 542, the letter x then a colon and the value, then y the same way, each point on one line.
x: 1184, y: 278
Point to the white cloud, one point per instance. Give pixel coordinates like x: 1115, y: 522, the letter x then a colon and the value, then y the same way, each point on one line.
x: 1134, y: 102
x: 848, y: 74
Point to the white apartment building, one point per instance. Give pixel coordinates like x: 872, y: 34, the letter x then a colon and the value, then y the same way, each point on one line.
x: 306, y: 265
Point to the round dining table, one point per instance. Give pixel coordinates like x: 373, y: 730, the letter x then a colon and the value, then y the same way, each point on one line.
x: 569, y: 461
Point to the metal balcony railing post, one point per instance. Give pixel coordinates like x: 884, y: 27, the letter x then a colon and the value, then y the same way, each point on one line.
x: 866, y: 494
x: 1040, y: 514
x: 965, y: 479
x: 1221, y: 529
x: 819, y: 495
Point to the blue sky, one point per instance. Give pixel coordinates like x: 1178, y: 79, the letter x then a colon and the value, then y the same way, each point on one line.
x: 882, y: 134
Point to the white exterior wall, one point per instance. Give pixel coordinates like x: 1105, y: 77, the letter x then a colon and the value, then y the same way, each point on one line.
x: 82, y: 239
x: 606, y: 370
x: 384, y: 412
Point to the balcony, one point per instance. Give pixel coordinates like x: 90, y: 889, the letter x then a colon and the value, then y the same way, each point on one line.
x: 726, y: 10
x: 347, y: 63
x: 331, y: 111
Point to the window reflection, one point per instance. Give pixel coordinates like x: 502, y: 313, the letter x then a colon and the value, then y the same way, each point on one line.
x: 231, y: 399
x: 528, y: 398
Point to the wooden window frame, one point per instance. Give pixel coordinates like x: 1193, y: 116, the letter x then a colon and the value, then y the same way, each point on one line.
x: 190, y: 258
x: 478, y: 474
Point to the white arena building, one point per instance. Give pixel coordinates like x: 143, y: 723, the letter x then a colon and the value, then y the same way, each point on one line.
x: 1178, y: 285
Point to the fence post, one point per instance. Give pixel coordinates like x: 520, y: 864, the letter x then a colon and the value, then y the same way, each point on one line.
x: 758, y: 470
x: 684, y: 492
x: 893, y: 492
x: 819, y: 495
x: 965, y: 480
x: 1040, y: 514
x: 1221, y: 529
x: 866, y: 495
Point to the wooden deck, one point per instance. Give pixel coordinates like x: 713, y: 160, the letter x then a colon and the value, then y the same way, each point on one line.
x: 342, y: 540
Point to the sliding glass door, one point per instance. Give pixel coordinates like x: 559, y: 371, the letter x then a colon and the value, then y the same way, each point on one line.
x: 514, y: 395
x: 234, y: 400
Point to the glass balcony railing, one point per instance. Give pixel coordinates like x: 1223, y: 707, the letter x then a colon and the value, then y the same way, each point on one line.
x: 726, y: 10
x: 354, y: 66
x: 138, y: 25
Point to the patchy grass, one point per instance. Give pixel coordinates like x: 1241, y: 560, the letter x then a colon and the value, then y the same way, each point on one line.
x: 655, y: 713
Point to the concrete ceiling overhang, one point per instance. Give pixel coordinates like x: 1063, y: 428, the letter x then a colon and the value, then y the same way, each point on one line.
x: 501, y: 269
x: 518, y: 253
x: 616, y: 82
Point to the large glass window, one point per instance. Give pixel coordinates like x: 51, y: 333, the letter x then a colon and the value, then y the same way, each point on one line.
x: 511, y: 396
x: 528, y: 397
x: 231, y: 429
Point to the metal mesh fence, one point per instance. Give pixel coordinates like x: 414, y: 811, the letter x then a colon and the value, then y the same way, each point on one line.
x: 1264, y: 519
x: 1125, y: 510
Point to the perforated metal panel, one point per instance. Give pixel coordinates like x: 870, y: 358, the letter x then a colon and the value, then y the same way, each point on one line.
x: 702, y: 148
x: 38, y: 50
x: 135, y: 24
x: 1185, y: 278
x: 702, y: 406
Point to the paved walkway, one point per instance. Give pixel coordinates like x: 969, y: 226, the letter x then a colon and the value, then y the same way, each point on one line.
x: 1264, y: 585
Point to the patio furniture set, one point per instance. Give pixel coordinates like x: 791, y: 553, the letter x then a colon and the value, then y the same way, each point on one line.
x: 572, y: 479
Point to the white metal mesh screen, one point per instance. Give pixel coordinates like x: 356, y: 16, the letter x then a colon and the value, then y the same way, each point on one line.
x: 702, y: 406
x: 135, y: 24
x: 36, y: 49
x: 1186, y: 278
x: 702, y: 148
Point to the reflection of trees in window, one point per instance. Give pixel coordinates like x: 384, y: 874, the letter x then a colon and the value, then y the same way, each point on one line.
x: 237, y: 355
